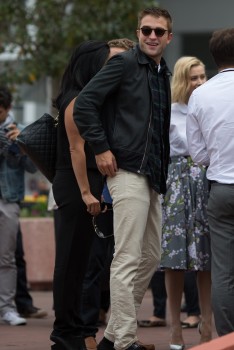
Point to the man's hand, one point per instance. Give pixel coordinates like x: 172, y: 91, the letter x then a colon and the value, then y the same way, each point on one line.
x: 106, y: 163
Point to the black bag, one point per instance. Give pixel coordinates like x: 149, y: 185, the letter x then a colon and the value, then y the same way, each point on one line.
x: 39, y: 141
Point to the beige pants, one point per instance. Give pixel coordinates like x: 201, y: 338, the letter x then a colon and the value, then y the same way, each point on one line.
x: 137, y: 232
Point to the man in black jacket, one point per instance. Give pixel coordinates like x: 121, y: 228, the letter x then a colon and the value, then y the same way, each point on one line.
x: 124, y: 114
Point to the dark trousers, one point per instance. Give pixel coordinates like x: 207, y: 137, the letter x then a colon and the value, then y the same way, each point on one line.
x: 221, y: 222
x: 160, y: 295
x: 191, y: 293
x: 96, y: 290
x: 23, y: 299
x: 74, y: 238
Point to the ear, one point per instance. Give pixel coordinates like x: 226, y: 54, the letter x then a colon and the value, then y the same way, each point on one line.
x: 170, y: 35
x: 138, y: 33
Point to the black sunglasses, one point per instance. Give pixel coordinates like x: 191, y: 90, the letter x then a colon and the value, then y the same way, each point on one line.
x: 103, y: 223
x: 157, y: 31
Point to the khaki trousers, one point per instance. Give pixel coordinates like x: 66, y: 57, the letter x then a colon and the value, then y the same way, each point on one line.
x: 137, y: 233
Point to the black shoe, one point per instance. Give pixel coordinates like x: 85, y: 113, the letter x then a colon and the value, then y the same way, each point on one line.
x: 67, y: 343
x: 33, y: 312
x: 105, y: 344
x: 136, y: 346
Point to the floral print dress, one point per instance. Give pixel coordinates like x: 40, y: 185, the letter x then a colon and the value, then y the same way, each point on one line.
x: 185, y: 232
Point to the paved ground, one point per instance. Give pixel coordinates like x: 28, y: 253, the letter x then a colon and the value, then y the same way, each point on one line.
x: 35, y: 335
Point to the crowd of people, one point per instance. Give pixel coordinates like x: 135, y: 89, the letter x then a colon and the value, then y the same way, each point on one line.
x: 162, y: 147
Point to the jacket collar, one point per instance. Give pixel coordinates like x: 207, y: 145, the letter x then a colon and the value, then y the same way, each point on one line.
x: 144, y: 59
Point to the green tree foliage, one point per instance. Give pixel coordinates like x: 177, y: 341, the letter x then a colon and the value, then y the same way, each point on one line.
x: 43, y: 34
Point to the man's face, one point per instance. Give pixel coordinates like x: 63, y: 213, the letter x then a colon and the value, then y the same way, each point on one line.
x: 3, y: 114
x: 153, y: 45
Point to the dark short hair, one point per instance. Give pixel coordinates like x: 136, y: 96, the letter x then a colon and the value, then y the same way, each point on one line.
x: 221, y: 47
x: 5, y: 97
x: 156, y: 12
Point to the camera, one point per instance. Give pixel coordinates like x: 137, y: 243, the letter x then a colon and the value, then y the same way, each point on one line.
x: 6, y: 129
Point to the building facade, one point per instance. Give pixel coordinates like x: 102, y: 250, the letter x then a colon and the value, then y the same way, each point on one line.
x: 193, y: 24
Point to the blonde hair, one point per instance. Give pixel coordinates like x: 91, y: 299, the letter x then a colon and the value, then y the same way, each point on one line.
x: 122, y: 43
x: 180, y: 82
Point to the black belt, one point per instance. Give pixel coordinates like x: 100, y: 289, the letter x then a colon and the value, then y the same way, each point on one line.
x: 216, y: 182
x: 213, y: 182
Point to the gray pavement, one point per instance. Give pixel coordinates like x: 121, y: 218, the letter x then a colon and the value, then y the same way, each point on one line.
x: 35, y: 335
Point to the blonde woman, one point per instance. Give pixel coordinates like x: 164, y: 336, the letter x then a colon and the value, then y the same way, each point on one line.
x: 185, y: 240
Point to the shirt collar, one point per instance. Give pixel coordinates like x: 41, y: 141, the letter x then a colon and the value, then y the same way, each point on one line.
x: 144, y: 59
x: 231, y: 69
x: 182, y: 108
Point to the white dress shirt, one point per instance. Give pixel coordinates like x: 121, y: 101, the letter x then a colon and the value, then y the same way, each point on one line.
x: 210, y: 126
x: 178, y: 138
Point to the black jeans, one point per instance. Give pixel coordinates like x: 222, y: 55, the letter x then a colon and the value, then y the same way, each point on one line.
x: 96, y: 281
x: 74, y: 238
x: 23, y: 299
x: 159, y: 294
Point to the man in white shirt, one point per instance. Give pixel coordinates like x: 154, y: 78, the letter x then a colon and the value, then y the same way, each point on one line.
x: 210, y: 134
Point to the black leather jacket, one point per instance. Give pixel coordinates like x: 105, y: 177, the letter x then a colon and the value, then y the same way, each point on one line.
x: 114, y: 111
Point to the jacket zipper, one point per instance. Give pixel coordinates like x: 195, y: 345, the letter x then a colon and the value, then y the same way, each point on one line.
x: 146, y: 144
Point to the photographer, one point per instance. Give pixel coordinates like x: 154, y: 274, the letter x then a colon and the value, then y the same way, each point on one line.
x: 13, y: 164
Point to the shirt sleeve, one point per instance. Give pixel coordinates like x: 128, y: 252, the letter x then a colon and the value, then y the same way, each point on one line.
x: 196, y: 142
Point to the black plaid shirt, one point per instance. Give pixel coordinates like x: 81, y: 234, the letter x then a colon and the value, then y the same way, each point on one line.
x: 155, y: 165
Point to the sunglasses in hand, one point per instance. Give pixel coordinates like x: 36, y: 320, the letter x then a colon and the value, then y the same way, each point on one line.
x: 103, y: 223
